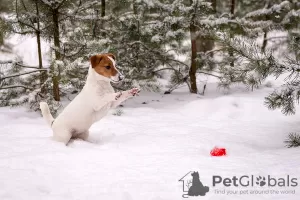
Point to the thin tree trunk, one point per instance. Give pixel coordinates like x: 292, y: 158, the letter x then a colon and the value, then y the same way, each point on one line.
x: 56, y: 78
x: 43, y: 74
x: 134, y: 7
x: 232, y: 7
x: 232, y: 10
x: 137, y: 38
x: 1, y: 38
x: 102, y: 14
x: 95, y: 24
x: 214, y: 6
x: 103, y: 8
x: 265, y: 42
x: 193, y: 68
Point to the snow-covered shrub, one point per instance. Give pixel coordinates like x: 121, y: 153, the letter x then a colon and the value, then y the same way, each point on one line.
x: 118, y: 112
x: 293, y: 140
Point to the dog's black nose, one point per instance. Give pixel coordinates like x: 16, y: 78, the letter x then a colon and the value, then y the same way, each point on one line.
x: 121, y: 77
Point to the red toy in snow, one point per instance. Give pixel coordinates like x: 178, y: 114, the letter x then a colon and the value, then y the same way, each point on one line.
x: 218, y: 152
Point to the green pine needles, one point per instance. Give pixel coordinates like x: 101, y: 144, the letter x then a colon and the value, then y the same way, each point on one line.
x: 293, y: 140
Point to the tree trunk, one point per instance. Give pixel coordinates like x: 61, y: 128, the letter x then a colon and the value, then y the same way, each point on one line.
x: 214, y: 6
x: 95, y: 25
x: 134, y: 7
x: 103, y: 8
x: 43, y: 74
x: 265, y: 42
x: 193, y: 68
x: 1, y: 38
x: 102, y: 14
x: 232, y: 10
x: 56, y: 78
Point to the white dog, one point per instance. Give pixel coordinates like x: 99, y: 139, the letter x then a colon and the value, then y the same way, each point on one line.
x: 92, y: 103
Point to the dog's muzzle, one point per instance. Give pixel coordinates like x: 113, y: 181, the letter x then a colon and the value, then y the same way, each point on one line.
x: 121, y: 77
x: 118, y: 78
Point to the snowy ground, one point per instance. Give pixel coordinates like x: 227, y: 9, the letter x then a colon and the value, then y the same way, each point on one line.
x: 142, y: 154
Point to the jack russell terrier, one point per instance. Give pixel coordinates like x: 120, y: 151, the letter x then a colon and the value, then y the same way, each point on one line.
x: 92, y: 103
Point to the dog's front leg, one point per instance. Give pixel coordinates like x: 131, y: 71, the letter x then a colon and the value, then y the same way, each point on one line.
x: 125, y: 95
x: 107, y: 98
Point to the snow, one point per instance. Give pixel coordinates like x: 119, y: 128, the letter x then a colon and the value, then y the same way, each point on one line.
x: 144, y: 152
x: 52, y: 3
x: 26, y: 49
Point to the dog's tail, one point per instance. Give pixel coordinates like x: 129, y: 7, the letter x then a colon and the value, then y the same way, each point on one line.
x: 46, y: 113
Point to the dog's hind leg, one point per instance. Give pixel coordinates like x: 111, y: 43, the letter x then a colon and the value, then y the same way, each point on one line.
x: 83, y: 136
x: 63, y: 136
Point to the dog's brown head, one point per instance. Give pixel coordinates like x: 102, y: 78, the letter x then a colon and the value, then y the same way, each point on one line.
x: 105, y: 65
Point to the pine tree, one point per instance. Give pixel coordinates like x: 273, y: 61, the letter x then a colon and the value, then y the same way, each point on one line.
x: 21, y: 83
x: 54, y: 21
x: 293, y: 140
x: 282, y: 16
x: 184, y: 17
x: 241, y: 59
x: 139, y: 34
x: 261, y: 61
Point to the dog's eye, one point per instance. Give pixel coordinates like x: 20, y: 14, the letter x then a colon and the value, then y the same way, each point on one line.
x: 107, y: 67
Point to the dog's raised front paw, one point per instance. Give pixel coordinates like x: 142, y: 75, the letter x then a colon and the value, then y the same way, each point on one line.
x: 119, y: 94
x: 134, y: 91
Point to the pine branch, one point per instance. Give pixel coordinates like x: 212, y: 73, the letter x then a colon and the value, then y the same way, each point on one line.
x: 202, y: 72
x: 24, y: 6
x: 166, y: 68
x: 30, y: 67
x: 21, y: 65
x: 293, y: 140
x: 15, y: 86
x: 21, y: 74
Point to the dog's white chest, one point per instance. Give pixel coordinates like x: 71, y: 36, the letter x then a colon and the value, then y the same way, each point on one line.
x: 102, y: 112
x: 99, y: 91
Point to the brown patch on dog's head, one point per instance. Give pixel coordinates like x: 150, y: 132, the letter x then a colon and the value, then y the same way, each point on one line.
x: 103, y: 65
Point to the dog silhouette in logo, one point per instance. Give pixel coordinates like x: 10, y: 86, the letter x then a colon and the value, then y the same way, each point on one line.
x: 197, y: 188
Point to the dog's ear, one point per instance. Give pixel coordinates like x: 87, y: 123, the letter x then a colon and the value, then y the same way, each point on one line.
x: 95, y: 60
x: 111, y: 55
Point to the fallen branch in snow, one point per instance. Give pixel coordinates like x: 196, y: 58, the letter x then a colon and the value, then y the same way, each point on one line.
x: 19, y: 64
x: 214, y: 50
x: 31, y: 67
x: 5, y: 62
x: 202, y: 72
x: 166, y: 68
x: 278, y: 37
x: 16, y: 86
x: 21, y: 74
